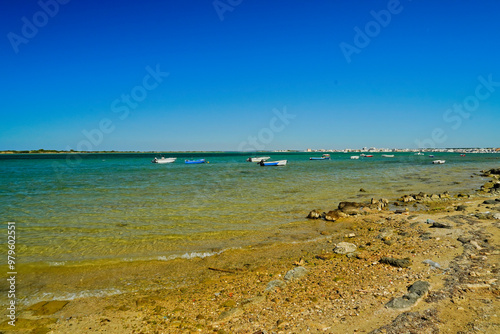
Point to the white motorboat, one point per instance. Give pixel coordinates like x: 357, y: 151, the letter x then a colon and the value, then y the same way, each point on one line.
x: 439, y: 161
x: 258, y: 159
x: 163, y: 160
x: 273, y: 163
x: 388, y: 155
x: 355, y: 157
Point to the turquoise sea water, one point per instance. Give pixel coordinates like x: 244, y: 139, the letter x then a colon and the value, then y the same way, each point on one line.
x: 120, y: 207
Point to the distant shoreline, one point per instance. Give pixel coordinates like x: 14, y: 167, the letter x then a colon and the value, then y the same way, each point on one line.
x: 404, y: 150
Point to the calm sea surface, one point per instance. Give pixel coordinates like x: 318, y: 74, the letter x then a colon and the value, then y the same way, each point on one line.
x: 74, y: 209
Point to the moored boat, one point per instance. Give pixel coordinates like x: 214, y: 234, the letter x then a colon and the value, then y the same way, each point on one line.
x: 163, y: 160
x: 439, y: 161
x: 258, y: 159
x: 388, y: 155
x: 355, y: 157
x: 273, y: 163
x: 323, y: 157
x: 199, y: 161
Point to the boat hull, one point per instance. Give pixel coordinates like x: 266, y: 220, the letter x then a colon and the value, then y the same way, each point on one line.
x: 439, y: 162
x: 163, y: 160
x: 273, y: 163
x: 258, y: 159
x: 193, y: 162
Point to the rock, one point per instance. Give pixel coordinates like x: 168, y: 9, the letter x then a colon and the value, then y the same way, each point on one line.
x: 47, y: 308
x: 385, y: 233
x: 324, y: 256
x: 434, y: 196
x: 464, y: 240
x: 415, y: 292
x: 350, y: 208
x: 400, y: 263
x: 477, y: 286
x: 253, y: 301
x: 494, y: 171
x: 484, y: 215
x: 490, y: 201
x: 295, y: 273
x: 462, y: 208
x: 273, y: 285
x: 344, y: 248
x: 432, y: 264
x: 420, y: 288
x: 440, y: 225
x: 407, y: 198
x: 230, y: 313
x: 334, y: 215
x: 314, y: 215
x: 228, y: 304
x: 402, y: 211
x: 362, y: 190
x: 444, y: 195
x: 496, y: 216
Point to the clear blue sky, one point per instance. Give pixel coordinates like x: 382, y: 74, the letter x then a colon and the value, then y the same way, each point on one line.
x: 229, y: 67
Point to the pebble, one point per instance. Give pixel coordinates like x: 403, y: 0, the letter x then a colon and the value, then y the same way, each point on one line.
x: 295, y: 273
x: 344, y: 248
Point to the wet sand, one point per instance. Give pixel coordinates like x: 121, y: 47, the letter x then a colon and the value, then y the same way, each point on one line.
x: 248, y: 290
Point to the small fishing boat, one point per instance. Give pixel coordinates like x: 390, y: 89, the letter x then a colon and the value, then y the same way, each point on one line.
x: 163, y: 160
x: 369, y: 156
x: 355, y: 157
x: 462, y: 155
x: 439, y: 161
x: 388, y: 155
x: 199, y: 161
x: 419, y: 153
x: 273, y: 163
x: 258, y: 159
x: 323, y: 157
x: 431, y: 156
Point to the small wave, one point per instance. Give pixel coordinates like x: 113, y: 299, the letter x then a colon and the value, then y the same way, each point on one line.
x: 70, y: 295
x: 57, y: 264
x: 188, y: 256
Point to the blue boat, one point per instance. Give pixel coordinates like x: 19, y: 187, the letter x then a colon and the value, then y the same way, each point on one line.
x: 324, y: 157
x: 199, y: 161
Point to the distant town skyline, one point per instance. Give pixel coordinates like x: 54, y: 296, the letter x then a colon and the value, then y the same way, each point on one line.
x: 249, y: 75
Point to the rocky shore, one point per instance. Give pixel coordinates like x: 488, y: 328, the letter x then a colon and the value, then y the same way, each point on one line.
x: 422, y: 263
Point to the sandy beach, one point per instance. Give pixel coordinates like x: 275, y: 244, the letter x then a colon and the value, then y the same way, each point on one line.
x: 424, y: 263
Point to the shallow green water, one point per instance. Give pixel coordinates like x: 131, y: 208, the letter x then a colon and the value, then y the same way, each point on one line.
x: 116, y: 207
